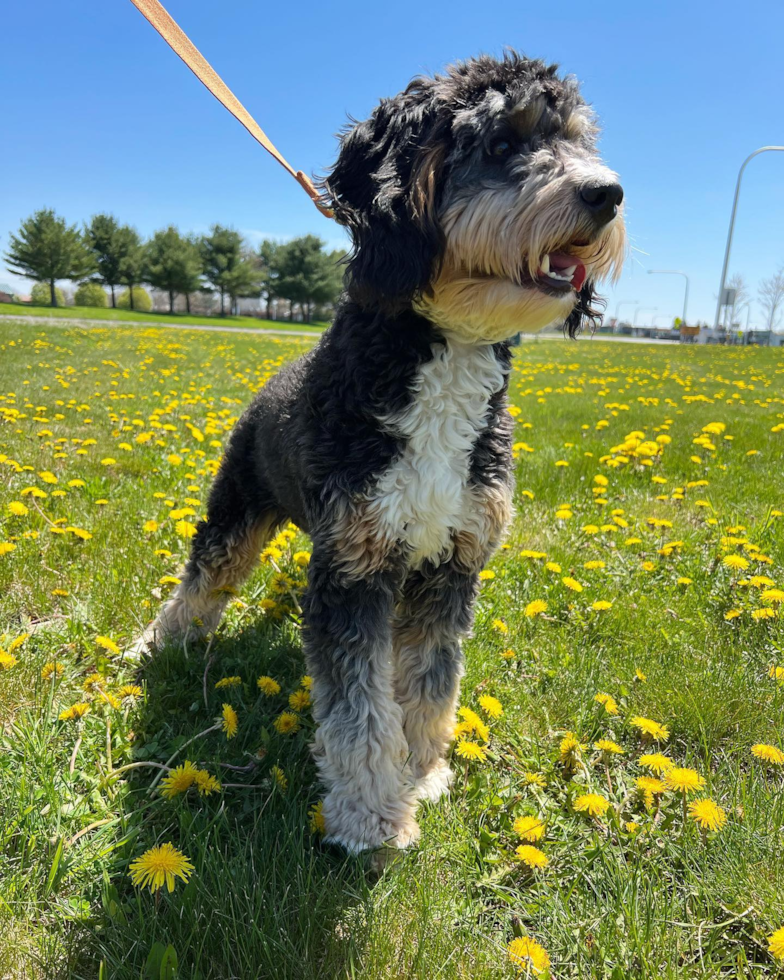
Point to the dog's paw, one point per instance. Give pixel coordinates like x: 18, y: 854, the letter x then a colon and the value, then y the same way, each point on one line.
x: 434, y: 784
x: 356, y: 828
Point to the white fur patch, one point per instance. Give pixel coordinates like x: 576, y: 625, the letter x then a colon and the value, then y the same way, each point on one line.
x: 424, y: 496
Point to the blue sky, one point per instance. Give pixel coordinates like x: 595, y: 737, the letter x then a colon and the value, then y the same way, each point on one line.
x: 99, y: 115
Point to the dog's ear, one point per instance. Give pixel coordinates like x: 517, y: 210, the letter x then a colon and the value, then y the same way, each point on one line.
x: 588, y: 311
x: 384, y: 189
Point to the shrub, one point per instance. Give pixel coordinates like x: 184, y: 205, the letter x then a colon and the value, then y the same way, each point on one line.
x: 142, y: 302
x: 41, y: 296
x: 90, y: 294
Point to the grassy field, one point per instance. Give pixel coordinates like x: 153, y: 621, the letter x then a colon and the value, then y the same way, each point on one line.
x: 134, y: 316
x: 633, y: 613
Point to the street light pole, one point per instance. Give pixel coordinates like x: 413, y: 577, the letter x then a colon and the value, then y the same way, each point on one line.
x: 623, y: 302
x: 762, y: 149
x: 676, y: 272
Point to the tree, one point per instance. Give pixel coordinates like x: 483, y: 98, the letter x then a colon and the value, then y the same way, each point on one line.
x: 47, y: 249
x: 110, y: 244
x: 305, y: 274
x: 771, y: 297
x: 172, y: 264
x: 131, y: 272
x: 266, y: 270
x: 139, y: 299
x: 90, y: 294
x: 225, y: 264
x: 40, y: 296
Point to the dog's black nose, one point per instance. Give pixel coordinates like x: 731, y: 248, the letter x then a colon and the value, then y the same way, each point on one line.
x: 602, y: 200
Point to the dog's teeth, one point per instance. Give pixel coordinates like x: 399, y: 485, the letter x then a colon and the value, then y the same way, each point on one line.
x: 568, y: 273
x: 545, y: 266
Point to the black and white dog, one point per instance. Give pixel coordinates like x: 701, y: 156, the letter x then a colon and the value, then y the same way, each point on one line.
x: 478, y: 207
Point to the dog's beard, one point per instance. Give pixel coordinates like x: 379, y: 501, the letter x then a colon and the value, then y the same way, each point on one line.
x: 493, y: 281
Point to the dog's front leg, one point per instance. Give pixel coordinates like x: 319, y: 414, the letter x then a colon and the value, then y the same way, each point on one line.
x: 360, y: 748
x: 435, y: 612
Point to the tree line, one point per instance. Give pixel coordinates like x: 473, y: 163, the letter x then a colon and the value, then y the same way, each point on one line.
x: 110, y: 254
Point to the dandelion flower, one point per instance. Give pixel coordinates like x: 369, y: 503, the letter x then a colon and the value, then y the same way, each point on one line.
x: 500, y: 626
x: 651, y: 729
x: 130, y: 691
x: 287, y: 723
x: 160, y: 865
x: 316, y: 818
x: 601, y: 605
x: 179, y: 780
x: 732, y: 614
x: 529, y: 828
x: 707, y: 814
x: 230, y: 721
x: 7, y: 660
x: 682, y: 780
x: 776, y: 946
x: 735, y: 561
x: 106, y: 643
x: 534, y: 779
x: 656, y: 761
x: 75, y: 712
x: 268, y: 686
x: 765, y: 613
x: 205, y: 783
x: 768, y: 753
x: 526, y: 954
x: 607, y: 745
x: 18, y: 509
x: 608, y: 702
x: 535, y: 608
x: 473, y: 724
x: 572, y: 583
x: 299, y: 700
x: 53, y: 669
x: 649, y: 786
x: 6, y: 547
x: 593, y: 804
x: 224, y: 682
x: 491, y: 706
x: 471, y: 751
x: 531, y: 856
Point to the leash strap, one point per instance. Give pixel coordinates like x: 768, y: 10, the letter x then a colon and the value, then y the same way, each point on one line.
x: 181, y: 44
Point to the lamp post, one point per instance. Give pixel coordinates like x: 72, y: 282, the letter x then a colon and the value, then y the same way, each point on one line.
x: 675, y: 272
x: 762, y: 149
x: 636, y: 312
x: 623, y: 302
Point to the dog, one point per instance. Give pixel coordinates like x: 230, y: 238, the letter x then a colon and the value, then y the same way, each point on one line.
x: 478, y: 207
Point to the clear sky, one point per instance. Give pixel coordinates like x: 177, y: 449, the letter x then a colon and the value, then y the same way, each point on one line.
x: 99, y: 115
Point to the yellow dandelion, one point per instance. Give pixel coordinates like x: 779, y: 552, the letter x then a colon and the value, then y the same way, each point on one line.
x: 776, y: 673
x: 306, y: 681
x: 287, y: 723
x: 299, y: 700
x: 268, y: 686
x: 18, y: 509
x: 279, y: 778
x: 529, y: 828
x: 651, y: 729
x: 508, y: 654
x: 179, y: 780
x: 683, y: 780
x: 130, y: 692
x: 486, y: 575
x: 608, y: 702
x: 160, y: 865
x: 75, y: 712
x: 526, y: 954
x: 572, y: 583
x: 707, y: 814
x: 776, y: 942
x: 106, y: 643
x: 531, y: 856
x: 649, y: 786
x: 594, y: 804
x: 224, y: 682
x: 52, y: 669
x: 601, y: 605
x: 93, y: 682
x: 150, y: 527
x: 230, y: 721
x: 656, y: 761
x: 7, y: 660
x: 316, y: 818
x: 500, y: 626
x: 491, y: 706
x: 732, y: 614
x: 607, y: 745
x: 474, y: 724
x: 768, y: 753
x: 535, y: 779
x: 6, y: 547
x: 471, y: 751
x: 535, y: 608
x: 205, y: 783
x: 765, y: 613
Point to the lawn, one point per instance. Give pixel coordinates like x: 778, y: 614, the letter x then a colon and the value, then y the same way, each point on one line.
x: 134, y: 316
x: 631, y: 624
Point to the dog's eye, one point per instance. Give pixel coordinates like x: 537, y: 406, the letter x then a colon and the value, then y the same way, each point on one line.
x: 500, y: 149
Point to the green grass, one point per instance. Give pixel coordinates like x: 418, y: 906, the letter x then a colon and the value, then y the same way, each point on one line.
x: 134, y: 316
x: 266, y: 898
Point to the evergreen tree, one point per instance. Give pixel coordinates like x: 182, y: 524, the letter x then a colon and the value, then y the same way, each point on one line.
x: 131, y: 271
x: 226, y: 265
x: 109, y: 242
x: 47, y: 249
x: 172, y: 264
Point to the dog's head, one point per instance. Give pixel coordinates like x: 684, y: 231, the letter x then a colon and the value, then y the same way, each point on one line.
x: 478, y: 197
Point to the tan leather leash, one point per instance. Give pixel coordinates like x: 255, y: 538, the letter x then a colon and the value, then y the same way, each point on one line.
x: 181, y: 44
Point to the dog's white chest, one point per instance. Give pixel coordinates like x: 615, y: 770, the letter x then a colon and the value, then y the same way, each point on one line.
x: 424, y: 496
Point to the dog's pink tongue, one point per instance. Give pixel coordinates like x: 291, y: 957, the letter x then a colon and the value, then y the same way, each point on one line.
x: 560, y: 261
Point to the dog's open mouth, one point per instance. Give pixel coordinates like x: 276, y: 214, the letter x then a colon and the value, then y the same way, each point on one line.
x: 561, y: 272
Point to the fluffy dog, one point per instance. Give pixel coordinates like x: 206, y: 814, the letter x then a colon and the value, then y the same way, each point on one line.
x: 477, y: 207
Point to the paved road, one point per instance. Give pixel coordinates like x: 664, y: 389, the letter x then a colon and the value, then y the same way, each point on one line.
x: 66, y: 321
